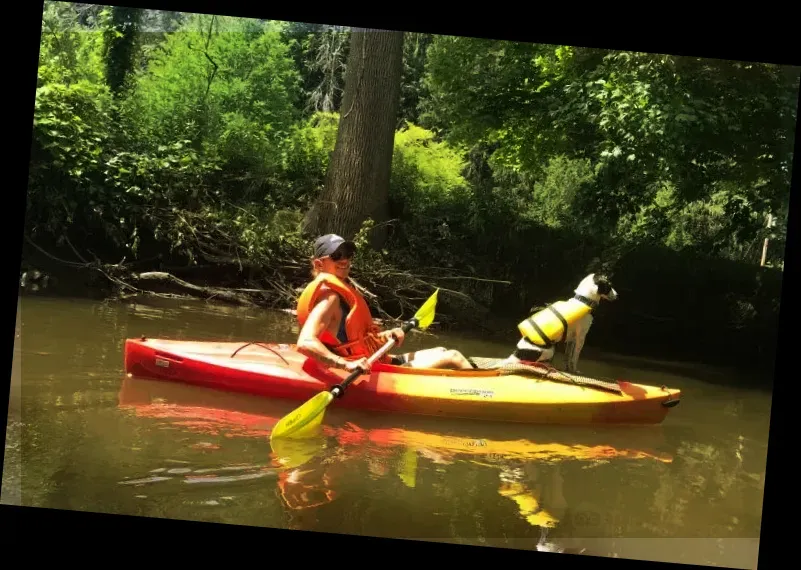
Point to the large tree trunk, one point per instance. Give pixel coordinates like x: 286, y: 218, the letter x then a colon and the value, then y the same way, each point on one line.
x: 357, y: 182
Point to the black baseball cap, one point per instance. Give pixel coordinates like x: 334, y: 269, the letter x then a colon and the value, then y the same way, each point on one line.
x: 329, y: 243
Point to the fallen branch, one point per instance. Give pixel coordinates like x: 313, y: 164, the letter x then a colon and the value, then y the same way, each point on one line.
x: 53, y: 257
x: 170, y: 281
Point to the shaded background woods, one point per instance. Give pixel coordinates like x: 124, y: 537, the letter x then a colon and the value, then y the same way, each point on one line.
x: 197, y: 145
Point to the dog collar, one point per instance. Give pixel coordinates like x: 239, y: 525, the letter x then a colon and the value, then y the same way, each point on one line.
x: 586, y: 301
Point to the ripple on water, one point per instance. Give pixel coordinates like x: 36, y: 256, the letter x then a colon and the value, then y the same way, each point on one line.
x: 206, y: 475
x: 144, y: 481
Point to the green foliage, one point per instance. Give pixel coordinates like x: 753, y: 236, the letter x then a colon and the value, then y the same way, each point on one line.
x: 428, y: 190
x: 413, y: 88
x: 69, y: 132
x: 425, y: 172
x: 68, y: 52
x: 305, y: 156
x: 702, y: 225
x: 320, y: 52
x: 120, y: 45
x: 639, y: 121
x: 209, y: 77
x: 477, y: 86
x: 557, y: 199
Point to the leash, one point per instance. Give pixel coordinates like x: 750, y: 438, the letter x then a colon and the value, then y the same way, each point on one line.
x: 544, y: 372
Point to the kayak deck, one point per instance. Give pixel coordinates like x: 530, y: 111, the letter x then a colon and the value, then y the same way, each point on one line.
x: 278, y: 371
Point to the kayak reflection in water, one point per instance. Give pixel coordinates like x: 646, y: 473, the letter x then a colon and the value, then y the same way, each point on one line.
x: 336, y: 325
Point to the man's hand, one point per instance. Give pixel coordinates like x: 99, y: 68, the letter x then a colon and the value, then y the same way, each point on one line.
x: 351, y: 365
x: 397, y: 333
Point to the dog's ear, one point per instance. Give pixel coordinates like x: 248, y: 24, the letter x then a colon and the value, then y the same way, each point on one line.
x: 603, y: 283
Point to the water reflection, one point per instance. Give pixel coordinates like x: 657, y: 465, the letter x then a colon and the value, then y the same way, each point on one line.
x: 528, y: 501
x: 309, y: 469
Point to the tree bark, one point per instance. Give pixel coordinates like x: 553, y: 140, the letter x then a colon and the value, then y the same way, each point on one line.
x: 357, y: 182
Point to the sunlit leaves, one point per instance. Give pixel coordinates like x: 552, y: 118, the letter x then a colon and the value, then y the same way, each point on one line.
x: 642, y: 120
x: 211, y: 72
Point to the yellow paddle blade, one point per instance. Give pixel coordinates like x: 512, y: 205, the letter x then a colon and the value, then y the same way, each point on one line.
x: 425, y: 315
x: 292, y: 452
x: 304, y: 419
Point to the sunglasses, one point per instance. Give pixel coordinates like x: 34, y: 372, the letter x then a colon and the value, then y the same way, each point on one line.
x: 339, y: 254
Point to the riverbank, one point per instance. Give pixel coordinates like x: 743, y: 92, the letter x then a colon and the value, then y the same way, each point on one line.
x: 394, y: 294
x: 85, y: 283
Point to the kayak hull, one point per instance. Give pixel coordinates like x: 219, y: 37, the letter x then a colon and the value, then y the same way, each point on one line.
x: 278, y: 371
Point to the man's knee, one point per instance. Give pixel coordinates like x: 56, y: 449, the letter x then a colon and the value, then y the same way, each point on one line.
x: 435, y: 352
x: 455, y: 357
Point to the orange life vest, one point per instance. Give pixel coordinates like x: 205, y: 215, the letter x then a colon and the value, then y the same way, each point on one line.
x: 361, y: 332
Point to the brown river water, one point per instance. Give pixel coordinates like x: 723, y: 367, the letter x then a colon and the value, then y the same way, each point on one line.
x: 83, y: 436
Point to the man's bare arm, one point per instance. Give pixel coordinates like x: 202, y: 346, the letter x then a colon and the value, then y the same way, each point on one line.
x: 319, y: 320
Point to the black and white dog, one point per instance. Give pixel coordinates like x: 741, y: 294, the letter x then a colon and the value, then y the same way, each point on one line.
x: 564, y: 321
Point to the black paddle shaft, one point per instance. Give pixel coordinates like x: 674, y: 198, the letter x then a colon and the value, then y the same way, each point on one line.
x: 339, y: 389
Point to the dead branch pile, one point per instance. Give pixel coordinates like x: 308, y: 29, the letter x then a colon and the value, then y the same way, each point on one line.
x: 393, y: 294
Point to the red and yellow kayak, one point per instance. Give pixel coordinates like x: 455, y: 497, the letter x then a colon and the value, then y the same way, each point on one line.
x: 279, y: 371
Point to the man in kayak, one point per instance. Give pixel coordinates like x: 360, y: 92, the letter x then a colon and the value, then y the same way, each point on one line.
x: 336, y: 325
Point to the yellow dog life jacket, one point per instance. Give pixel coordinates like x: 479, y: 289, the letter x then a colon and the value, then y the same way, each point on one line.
x: 549, y: 326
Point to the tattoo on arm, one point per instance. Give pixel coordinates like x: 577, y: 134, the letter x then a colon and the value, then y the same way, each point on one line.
x: 335, y: 361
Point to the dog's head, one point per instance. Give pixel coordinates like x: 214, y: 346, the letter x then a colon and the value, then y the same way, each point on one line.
x: 597, y: 287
